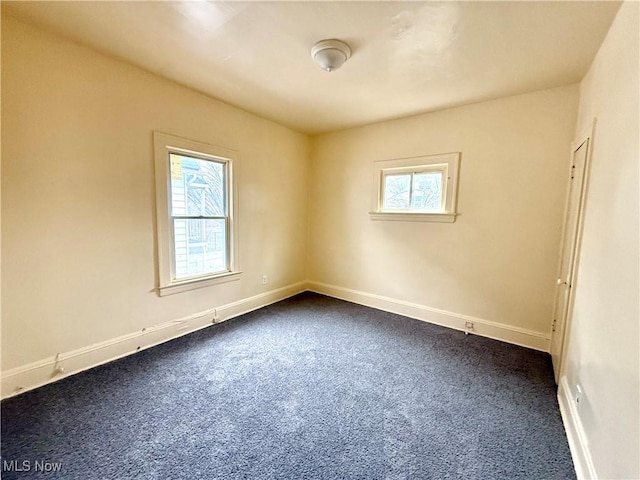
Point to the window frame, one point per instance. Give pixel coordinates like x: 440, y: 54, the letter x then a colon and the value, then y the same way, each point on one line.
x: 164, y: 146
x: 448, y: 163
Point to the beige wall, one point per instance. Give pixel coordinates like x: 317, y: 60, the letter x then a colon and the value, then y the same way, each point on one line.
x: 498, y: 260
x: 78, y: 196
x: 602, y: 352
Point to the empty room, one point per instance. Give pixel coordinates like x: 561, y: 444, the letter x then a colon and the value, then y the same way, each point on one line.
x: 298, y: 239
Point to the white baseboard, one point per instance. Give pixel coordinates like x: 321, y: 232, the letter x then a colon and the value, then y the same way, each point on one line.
x: 485, y: 328
x: 48, y: 370
x: 575, y: 433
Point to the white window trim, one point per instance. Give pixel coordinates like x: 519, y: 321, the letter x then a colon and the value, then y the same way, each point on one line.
x: 449, y: 162
x: 163, y: 145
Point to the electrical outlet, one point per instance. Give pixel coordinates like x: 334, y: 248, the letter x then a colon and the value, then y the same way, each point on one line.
x: 264, y: 279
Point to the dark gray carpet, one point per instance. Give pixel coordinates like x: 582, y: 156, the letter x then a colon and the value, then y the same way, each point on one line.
x: 311, y: 387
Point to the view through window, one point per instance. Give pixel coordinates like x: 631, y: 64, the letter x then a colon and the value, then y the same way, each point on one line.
x: 199, y: 215
x: 413, y: 191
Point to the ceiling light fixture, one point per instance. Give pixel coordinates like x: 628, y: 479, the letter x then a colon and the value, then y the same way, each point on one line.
x: 330, y: 54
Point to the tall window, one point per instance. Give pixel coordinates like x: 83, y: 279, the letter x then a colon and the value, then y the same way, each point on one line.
x: 416, y: 189
x: 199, y: 215
x: 196, y: 228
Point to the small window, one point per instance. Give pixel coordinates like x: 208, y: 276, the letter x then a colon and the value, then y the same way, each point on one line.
x: 195, y: 199
x: 417, y: 189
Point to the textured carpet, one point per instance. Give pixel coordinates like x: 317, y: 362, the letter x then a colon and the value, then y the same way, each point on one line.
x: 311, y: 387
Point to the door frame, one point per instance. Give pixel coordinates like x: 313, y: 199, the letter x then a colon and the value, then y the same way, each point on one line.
x: 586, y: 135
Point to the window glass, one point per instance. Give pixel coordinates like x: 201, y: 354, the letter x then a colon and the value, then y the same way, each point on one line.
x: 199, y: 247
x: 427, y: 192
x: 198, y: 190
x: 397, y: 191
x: 197, y: 187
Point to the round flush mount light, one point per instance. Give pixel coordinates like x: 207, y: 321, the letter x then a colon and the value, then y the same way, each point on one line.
x: 329, y: 55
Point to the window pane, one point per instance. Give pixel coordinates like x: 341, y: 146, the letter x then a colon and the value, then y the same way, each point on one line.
x: 197, y: 187
x: 200, y: 247
x: 396, y: 191
x: 427, y: 192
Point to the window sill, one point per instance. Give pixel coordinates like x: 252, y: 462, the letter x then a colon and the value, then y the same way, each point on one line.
x: 178, y: 287
x: 414, y: 217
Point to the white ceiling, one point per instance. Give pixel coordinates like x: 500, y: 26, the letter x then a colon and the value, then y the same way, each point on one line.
x: 408, y: 57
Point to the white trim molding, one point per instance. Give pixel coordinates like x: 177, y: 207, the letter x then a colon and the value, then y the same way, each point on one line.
x: 466, y: 323
x: 48, y: 370
x: 576, y: 436
x: 414, y: 217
